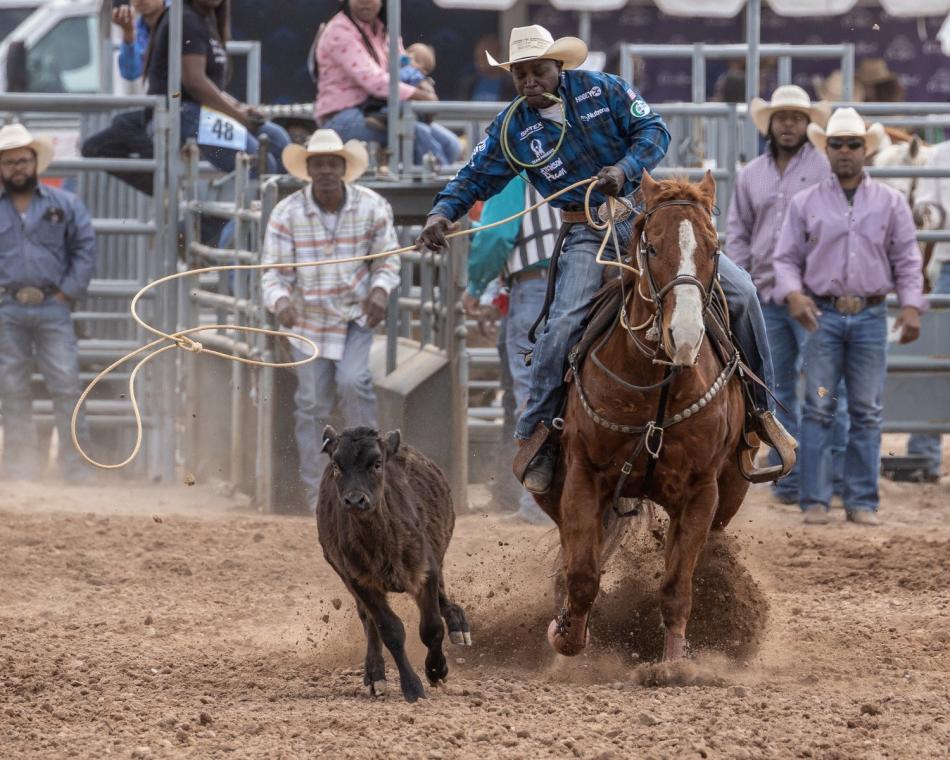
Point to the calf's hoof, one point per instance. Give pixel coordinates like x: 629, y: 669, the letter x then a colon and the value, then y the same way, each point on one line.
x: 377, y: 688
x: 413, y: 692
x: 461, y: 638
x: 437, y: 672
x: 674, y: 647
x: 568, y: 637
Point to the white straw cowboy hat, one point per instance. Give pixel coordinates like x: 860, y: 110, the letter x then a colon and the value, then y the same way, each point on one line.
x: 529, y: 43
x: 846, y: 122
x: 788, y: 97
x: 326, y: 142
x: 17, y: 136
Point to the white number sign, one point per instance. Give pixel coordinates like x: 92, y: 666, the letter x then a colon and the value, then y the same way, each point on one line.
x: 220, y: 131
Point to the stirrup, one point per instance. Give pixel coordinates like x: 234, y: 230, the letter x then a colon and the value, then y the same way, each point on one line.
x: 762, y: 433
x: 755, y: 474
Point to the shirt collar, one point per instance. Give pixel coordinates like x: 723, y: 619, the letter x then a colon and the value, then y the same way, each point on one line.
x: 312, y: 209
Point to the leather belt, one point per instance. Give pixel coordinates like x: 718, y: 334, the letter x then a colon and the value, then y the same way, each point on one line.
x: 29, y: 295
x: 537, y: 273
x: 573, y: 217
x: 849, y: 305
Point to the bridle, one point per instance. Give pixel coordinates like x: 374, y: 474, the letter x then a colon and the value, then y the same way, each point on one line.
x: 646, y: 251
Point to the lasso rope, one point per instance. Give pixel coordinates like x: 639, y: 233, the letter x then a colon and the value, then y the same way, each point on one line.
x: 181, y: 339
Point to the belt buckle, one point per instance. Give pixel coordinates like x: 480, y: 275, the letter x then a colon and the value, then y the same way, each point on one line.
x: 850, y: 305
x: 30, y: 296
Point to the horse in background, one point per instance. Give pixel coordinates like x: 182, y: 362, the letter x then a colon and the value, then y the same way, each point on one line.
x: 915, y: 153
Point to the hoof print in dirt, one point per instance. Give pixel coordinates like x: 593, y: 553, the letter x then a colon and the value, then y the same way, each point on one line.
x: 385, y: 518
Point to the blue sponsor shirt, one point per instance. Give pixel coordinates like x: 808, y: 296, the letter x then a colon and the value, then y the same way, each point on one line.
x: 608, y: 123
x: 52, y: 246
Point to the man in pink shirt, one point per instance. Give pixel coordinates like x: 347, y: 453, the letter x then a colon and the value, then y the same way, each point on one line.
x: 846, y: 243
x: 763, y: 190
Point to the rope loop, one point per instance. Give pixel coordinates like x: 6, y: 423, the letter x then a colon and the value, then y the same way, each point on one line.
x: 181, y: 339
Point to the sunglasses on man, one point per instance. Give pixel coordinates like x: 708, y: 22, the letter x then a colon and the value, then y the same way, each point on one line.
x: 855, y: 143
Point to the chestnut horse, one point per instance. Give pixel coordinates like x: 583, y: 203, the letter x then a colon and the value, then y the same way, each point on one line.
x: 614, y: 421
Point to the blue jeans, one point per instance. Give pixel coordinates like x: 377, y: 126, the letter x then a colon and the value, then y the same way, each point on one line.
x: 43, y: 333
x: 787, y: 339
x: 524, y: 304
x: 350, y: 124
x: 930, y: 445
x: 853, y: 348
x: 224, y: 158
x: 319, y: 384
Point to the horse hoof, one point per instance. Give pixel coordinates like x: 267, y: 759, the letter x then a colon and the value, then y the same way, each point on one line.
x: 565, y: 644
x: 377, y: 689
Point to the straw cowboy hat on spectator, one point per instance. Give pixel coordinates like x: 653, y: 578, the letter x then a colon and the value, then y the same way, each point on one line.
x: 17, y: 136
x: 846, y: 122
x: 788, y: 97
x: 326, y: 142
x: 529, y: 43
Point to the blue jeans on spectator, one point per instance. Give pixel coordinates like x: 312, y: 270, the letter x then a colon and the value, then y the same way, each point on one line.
x: 852, y: 347
x: 524, y: 304
x: 224, y: 158
x: 930, y: 445
x: 319, y: 384
x: 787, y: 339
x: 45, y: 333
x: 350, y: 124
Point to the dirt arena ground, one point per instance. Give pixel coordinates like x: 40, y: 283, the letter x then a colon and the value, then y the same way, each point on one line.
x: 151, y: 622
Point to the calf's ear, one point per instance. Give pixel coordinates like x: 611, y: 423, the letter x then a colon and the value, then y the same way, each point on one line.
x: 391, y: 441
x: 329, y: 440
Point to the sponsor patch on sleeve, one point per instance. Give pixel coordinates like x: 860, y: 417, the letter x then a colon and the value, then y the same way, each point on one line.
x: 639, y: 108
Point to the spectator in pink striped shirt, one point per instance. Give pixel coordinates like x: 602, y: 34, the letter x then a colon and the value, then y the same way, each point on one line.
x: 352, y: 56
x: 760, y: 200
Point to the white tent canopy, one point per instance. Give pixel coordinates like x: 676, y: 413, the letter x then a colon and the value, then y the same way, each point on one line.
x: 724, y: 8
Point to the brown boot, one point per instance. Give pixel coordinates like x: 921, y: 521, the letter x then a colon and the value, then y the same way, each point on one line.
x: 767, y: 427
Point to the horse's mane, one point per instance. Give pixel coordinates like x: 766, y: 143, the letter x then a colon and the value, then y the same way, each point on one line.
x: 678, y: 188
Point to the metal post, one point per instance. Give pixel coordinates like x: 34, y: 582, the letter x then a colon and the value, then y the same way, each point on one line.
x: 237, y: 368
x: 699, y: 74
x: 583, y: 26
x: 626, y: 63
x: 784, y: 69
x: 455, y: 332
x: 254, y: 74
x: 393, y: 19
x: 753, y: 21
x: 847, y: 73
x: 166, y: 301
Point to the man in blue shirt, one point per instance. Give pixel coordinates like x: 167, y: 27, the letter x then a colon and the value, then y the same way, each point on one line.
x: 601, y: 127
x: 126, y: 136
x: 47, y: 258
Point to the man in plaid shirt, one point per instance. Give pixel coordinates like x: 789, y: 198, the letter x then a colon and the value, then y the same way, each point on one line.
x: 336, y: 306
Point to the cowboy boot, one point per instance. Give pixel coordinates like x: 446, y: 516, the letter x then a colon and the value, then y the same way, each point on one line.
x: 540, y: 473
x: 766, y: 427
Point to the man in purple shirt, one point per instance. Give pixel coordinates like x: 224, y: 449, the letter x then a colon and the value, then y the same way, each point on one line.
x: 847, y: 242
x: 760, y: 199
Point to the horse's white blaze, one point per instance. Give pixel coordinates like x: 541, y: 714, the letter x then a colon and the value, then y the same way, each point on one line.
x: 686, y: 324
